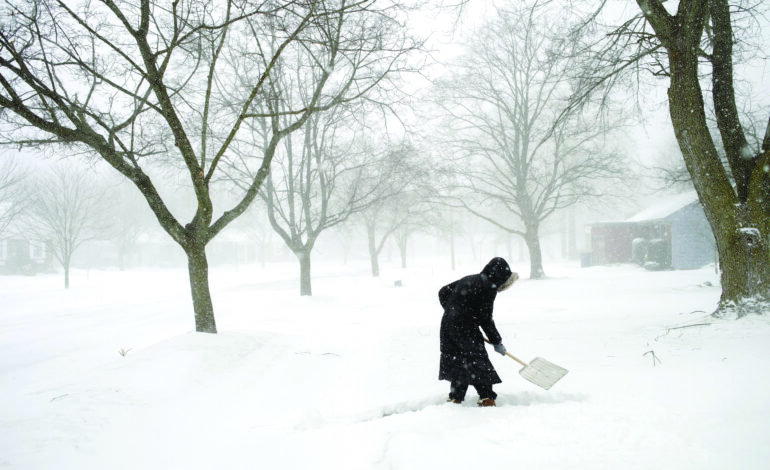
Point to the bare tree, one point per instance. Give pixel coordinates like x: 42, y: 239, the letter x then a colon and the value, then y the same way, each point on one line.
x: 67, y: 208
x: 522, y: 157
x: 324, y: 173
x: 381, y: 219
x: 402, y: 206
x: 12, y: 177
x: 418, y: 214
x: 693, y: 45
x: 146, y: 83
x: 134, y: 219
x: 448, y: 225
x: 323, y: 177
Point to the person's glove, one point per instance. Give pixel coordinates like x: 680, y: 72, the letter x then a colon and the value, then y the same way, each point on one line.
x: 500, y: 348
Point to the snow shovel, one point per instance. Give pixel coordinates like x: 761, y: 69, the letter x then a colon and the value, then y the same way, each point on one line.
x: 540, y: 372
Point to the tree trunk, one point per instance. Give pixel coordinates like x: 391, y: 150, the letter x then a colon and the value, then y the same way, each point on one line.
x: 535, y: 254
x: 198, y: 269
x: 305, y: 287
x: 572, y: 251
x: 739, y: 226
x: 346, y: 246
x: 744, y: 264
x: 452, y: 247
x: 373, y: 255
x: 402, y: 242
x: 121, y: 260
x: 65, y: 258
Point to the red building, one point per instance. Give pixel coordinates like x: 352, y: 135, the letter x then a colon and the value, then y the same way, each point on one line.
x: 672, y: 234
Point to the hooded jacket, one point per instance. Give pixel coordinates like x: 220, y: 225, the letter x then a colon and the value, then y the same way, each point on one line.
x: 468, y: 305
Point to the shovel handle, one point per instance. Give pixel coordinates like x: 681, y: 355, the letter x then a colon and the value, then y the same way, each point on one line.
x: 511, y: 355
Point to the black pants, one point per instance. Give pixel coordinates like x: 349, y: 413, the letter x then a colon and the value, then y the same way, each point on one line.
x: 457, y: 391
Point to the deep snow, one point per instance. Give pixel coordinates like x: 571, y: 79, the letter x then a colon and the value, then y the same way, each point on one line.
x: 346, y: 379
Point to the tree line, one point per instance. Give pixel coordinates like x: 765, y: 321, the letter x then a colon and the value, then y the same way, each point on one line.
x: 292, y: 103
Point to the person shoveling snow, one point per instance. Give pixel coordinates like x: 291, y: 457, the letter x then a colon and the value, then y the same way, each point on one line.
x: 468, y: 305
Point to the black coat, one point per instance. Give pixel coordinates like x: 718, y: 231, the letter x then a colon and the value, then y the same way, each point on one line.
x: 468, y: 305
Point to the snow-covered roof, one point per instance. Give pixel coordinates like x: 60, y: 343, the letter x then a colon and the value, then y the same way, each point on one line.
x: 665, y: 208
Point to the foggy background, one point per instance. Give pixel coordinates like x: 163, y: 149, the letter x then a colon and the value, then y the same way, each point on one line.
x: 116, y: 229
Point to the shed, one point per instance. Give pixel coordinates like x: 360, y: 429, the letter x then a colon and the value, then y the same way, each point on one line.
x: 673, y: 233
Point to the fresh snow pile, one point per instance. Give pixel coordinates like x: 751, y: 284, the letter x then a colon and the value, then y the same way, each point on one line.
x: 109, y: 375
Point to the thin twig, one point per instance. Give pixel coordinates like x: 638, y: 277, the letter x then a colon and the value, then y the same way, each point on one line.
x: 655, y: 359
x: 668, y: 330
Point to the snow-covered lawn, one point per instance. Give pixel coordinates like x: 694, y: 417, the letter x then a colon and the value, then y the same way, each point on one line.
x: 346, y: 379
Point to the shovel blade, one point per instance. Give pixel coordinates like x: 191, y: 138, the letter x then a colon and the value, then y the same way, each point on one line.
x: 543, y: 373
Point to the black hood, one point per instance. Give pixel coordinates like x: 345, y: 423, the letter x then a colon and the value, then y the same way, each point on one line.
x: 497, y: 271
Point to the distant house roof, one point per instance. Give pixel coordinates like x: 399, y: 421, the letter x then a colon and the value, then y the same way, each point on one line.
x: 665, y: 208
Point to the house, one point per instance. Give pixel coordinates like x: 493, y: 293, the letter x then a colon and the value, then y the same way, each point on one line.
x: 24, y: 256
x: 20, y: 253
x: 671, y: 234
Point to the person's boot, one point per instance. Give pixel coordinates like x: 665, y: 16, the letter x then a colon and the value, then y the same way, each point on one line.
x: 455, y: 401
x: 486, y: 402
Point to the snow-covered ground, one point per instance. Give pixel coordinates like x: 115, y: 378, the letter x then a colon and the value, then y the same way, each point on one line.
x: 346, y: 379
